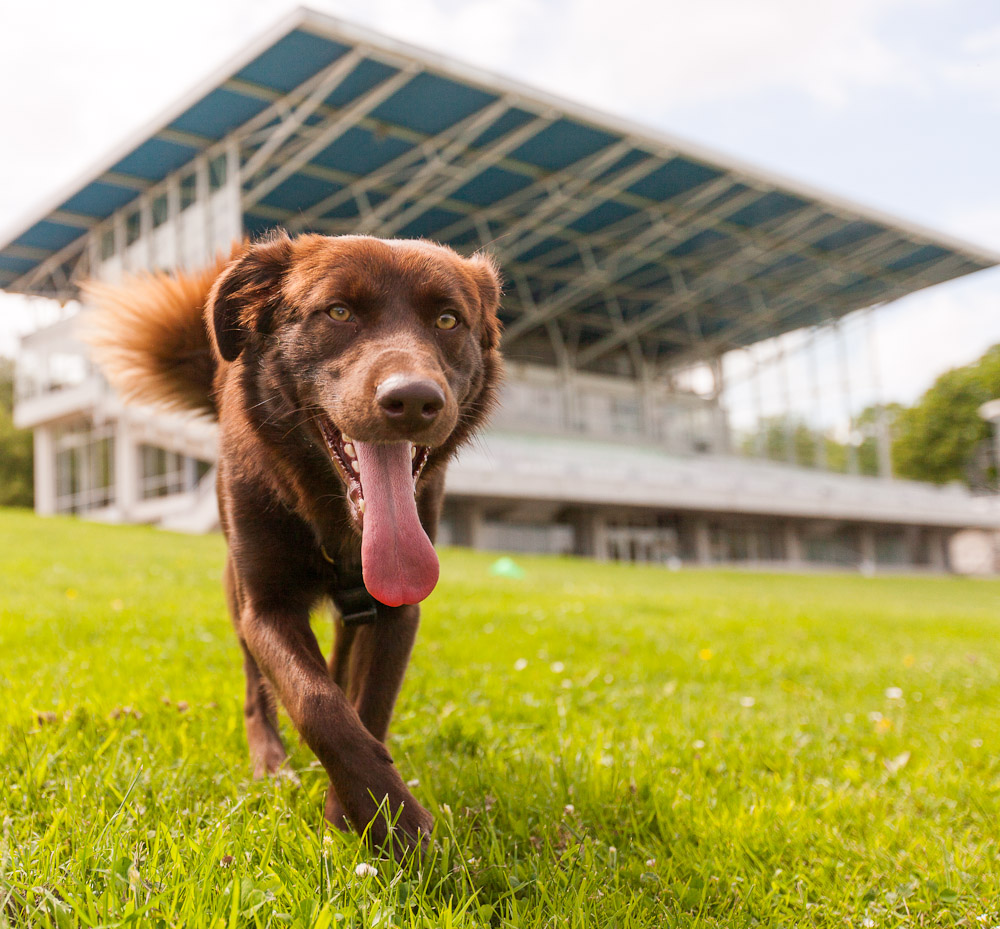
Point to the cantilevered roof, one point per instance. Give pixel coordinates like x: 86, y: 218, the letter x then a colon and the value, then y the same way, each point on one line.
x: 620, y: 244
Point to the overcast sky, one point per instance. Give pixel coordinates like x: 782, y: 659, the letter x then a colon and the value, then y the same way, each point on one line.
x: 891, y: 103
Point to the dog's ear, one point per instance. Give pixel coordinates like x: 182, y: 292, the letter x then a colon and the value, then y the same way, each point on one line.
x: 246, y: 294
x: 486, y: 274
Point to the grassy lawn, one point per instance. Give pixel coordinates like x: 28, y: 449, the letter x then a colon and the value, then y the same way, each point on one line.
x: 601, y: 746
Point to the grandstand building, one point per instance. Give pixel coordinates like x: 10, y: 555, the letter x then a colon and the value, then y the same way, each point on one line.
x: 629, y: 257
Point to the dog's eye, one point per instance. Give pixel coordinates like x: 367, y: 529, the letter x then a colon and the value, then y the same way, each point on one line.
x: 340, y: 313
x: 446, y: 321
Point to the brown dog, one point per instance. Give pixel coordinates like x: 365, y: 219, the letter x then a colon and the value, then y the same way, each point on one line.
x: 344, y: 372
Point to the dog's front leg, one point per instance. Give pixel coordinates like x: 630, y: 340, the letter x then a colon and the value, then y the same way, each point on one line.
x: 360, y: 767
x: 377, y: 656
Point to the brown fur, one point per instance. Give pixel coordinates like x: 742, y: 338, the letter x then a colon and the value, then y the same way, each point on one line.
x: 147, y: 339
x: 279, y: 365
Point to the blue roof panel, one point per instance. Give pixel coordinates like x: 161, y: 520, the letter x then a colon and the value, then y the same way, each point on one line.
x: 700, y: 240
x: 99, y: 199
x: 430, y: 103
x: 360, y: 151
x: 491, y: 185
x: 508, y: 121
x: 920, y: 256
x: 426, y: 224
x: 291, y: 60
x: 542, y: 248
x: 155, y: 159
x: 562, y: 144
x: 677, y: 176
x: 48, y: 235
x: 783, y: 264
x: 219, y: 112
x: 628, y: 160
x: 299, y: 192
x: 364, y: 77
x: 14, y: 264
x: 849, y: 234
x: 604, y: 215
x: 773, y: 205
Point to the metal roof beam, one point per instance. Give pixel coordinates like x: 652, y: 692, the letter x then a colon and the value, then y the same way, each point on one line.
x: 784, y: 306
x: 790, y: 229
x: 543, y: 187
x: 477, y: 217
x: 629, y: 255
x: 182, y: 137
x: 68, y: 218
x: 676, y: 305
x: 138, y: 184
x: 348, y: 116
x: 76, y: 253
x: 564, y: 193
x: 330, y: 78
x: 483, y: 158
x: 27, y: 252
x: 763, y: 237
x: 359, y: 186
x: 450, y: 168
x: 781, y: 309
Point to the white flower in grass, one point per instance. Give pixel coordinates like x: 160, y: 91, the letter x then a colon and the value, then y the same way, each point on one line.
x: 868, y: 922
x: 894, y: 693
x: 557, y: 667
x: 747, y: 702
x: 365, y: 870
x: 698, y: 743
x: 520, y: 664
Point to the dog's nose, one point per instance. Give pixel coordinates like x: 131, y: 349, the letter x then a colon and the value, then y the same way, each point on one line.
x: 409, y: 402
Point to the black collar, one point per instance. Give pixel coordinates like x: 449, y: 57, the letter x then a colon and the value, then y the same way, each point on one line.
x: 356, y: 606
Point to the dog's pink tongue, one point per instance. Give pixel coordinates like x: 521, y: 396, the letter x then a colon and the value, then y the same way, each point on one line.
x: 398, y: 562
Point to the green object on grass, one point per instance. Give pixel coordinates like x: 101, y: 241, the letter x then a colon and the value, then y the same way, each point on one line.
x: 506, y: 567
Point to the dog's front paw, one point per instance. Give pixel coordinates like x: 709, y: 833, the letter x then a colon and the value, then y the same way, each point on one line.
x: 389, y: 818
x: 401, y: 828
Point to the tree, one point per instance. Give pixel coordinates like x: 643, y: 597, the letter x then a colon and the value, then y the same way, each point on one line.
x: 16, y: 469
x: 937, y: 439
x: 771, y: 441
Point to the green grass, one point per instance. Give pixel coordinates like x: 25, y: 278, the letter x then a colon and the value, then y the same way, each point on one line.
x: 601, y: 746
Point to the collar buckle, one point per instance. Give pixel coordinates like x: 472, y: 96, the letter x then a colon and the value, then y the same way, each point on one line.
x: 356, y: 606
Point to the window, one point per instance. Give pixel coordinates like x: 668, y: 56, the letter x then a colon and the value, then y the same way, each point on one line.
x: 165, y: 472
x: 189, y: 190
x: 133, y: 227
x: 84, y: 468
x: 217, y: 172
x: 107, y: 244
x: 161, y: 211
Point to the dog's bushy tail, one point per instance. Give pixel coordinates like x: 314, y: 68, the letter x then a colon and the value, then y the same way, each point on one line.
x: 148, y: 336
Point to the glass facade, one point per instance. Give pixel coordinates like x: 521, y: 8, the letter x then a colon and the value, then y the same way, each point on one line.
x: 85, y: 467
